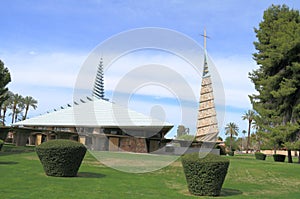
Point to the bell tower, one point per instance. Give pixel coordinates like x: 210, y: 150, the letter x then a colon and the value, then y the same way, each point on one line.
x: 207, y: 124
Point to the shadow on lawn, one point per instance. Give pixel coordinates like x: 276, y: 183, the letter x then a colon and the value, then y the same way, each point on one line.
x: 90, y: 175
x: 230, y: 192
x: 9, y: 162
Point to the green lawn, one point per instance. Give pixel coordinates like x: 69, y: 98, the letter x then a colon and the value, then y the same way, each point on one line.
x: 22, y: 176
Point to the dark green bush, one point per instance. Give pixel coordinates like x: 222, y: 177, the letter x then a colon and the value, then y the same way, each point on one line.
x: 279, y: 157
x: 222, y: 149
x: 204, y: 176
x: 4, y: 132
x: 61, y: 157
x: 260, y: 156
x: 1, y: 144
x: 231, y: 153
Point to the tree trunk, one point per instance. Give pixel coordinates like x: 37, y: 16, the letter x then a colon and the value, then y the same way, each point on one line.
x: 299, y: 156
x: 3, y: 117
x: 248, y: 140
x: 16, y: 117
x: 13, y: 113
x: 26, y: 112
x: 290, y: 159
x: 230, y: 141
x: 12, y: 117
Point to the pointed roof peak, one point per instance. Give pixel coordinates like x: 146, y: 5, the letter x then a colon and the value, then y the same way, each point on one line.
x: 205, y: 66
x: 98, y: 90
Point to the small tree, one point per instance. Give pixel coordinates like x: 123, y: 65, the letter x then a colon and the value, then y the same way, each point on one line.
x: 249, y: 115
x: 232, y: 130
x: 232, y: 142
x: 182, y: 130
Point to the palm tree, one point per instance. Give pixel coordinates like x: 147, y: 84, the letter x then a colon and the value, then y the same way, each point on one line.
x: 231, y: 129
x: 243, y: 139
x: 29, y: 102
x: 5, y: 106
x: 249, y: 115
x: 19, y: 110
x: 16, y: 99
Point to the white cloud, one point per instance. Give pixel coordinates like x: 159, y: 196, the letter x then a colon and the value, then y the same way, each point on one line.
x: 50, y: 78
x: 234, y: 73
x: 44, y: 69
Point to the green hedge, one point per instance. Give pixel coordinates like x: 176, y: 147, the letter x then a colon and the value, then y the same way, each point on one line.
x: 204, y: 176
x: 260, y: 156
x: 279, y: 158
x: 1, y: 144
x: 61, y: 157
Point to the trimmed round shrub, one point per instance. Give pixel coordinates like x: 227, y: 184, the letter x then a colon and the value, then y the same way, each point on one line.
x: 204, y: 176
x: 260, y: 156
x: 61, y: 157
x: 1, y: 144
x: 279, y: 158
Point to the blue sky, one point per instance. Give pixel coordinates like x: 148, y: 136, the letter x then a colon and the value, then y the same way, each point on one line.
x: 44, y: 43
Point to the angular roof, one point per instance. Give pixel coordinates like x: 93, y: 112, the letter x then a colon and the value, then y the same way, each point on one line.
x: 94, y: 113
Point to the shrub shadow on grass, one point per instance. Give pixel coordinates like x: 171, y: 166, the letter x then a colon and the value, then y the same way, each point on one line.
x: 230, y: 192
x: 90, y: 175
x: 9, y: 162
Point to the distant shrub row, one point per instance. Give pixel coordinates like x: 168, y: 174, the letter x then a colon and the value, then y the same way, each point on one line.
x: 277, y: 157
x: 260, y: 156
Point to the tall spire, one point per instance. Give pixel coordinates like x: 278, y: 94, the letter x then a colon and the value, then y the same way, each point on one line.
x: 98, y: 90
x: 207, y: 124
x: 204, y: 37
x: 205, y: 65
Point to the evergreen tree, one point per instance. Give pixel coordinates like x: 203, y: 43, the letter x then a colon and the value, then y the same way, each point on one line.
x: 277, y: 80
x: 5, y: 106
x: 4, y: 80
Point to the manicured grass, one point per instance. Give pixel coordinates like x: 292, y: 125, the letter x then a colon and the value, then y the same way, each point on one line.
x: 263, y: 179
x: 22, y: 176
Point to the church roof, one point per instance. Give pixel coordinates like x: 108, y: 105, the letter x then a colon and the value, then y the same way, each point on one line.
x: 94, y: 113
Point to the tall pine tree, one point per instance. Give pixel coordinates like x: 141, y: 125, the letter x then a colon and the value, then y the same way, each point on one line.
x: 277, y: 80
x: 4, y: 80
